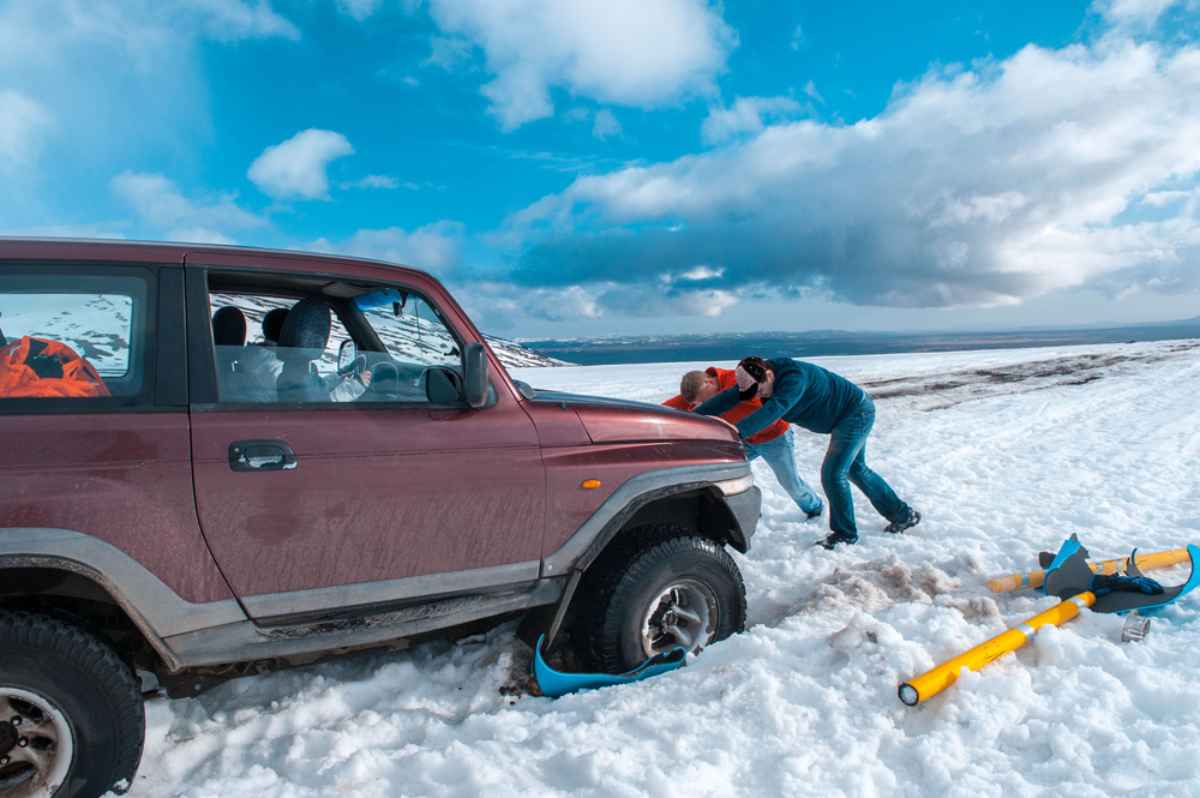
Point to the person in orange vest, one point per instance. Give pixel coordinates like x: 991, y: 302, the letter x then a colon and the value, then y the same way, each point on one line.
x: 42, y: 368
x: 775, y: 444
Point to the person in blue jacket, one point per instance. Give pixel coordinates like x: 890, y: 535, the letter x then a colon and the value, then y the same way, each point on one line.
x: 818, y: 400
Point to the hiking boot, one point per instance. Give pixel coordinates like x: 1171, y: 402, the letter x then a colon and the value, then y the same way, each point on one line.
x: 811, y: 514
x: 837, y: 539
x: 896, y: 527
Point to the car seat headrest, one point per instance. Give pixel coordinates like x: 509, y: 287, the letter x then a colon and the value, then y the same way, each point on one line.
x: 307, y: 325
x: 272, y: 324
x: 229, y: 327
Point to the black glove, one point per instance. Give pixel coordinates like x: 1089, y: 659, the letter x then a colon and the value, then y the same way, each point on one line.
x: 1102, y: 584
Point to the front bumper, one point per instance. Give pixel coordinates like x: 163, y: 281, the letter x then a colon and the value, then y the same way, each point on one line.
x: 746, y: 508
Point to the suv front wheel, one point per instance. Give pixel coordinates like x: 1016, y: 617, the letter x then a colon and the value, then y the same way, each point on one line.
x: 671, y: 590
x: 71, y: 714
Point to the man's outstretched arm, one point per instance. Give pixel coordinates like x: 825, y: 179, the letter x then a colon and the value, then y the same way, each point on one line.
x: 721, y: 403
x: 788, y: 390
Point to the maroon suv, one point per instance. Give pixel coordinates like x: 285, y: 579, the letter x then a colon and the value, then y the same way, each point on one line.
x: 217, y: 460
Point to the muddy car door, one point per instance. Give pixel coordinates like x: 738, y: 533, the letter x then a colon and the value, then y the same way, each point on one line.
x: 336, y: 463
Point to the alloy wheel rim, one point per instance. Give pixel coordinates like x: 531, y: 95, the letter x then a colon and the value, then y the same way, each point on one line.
x: 37, y: 745
x: 684, y: 613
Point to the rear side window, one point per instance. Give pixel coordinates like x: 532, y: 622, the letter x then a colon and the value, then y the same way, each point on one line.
x: 73, y: 337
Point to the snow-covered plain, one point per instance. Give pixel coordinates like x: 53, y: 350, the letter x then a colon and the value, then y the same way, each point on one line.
x: 1005, y: 453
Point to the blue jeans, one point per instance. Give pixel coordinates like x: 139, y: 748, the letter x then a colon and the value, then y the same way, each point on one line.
x: 780, y: 454
x: 846, y: 462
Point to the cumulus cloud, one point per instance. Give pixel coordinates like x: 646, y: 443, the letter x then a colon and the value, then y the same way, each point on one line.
x: 119, y: 78
x: 1133, y: 13
x: 48, y: 30
x: 199, y: 235
x: 448, y: 52
x: 296, y: 168
x: 605, y: 125
x: 375, y: 181
x: 746, y: 115
x: 624, y: 52
x: 159, y: 203
x: 434, y: 247
x: 973, y: 187
x: 496, y: 305
x: 23, y: 124
x: 359, y: 9
x: 232, y: 20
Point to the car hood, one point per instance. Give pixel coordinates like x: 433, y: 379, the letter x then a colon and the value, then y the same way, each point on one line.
x: 617, y: 420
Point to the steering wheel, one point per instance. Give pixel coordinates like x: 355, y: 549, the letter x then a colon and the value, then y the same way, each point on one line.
x: 356, y: 367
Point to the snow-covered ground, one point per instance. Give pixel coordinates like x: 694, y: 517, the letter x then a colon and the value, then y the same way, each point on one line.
x: 1005, y: 453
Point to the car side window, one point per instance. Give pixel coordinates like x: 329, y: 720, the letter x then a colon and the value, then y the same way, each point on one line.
x: 73, y: 337
x: 251, y: 357
x: 415, y: 334
x: 274, y: 349
x: 419, y: 345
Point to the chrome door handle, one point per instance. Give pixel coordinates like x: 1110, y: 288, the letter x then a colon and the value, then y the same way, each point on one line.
x: 262, y: 456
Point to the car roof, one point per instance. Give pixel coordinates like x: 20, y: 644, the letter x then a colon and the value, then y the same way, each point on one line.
x: 116, y: 249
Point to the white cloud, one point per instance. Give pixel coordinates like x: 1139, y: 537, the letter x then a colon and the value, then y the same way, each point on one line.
x: 746, y: 115
x: 702, y: 273
x: 159, y: 203
x: 23, y: 125
x: 799, y: 40
x: 1158, y: 199
x: 1133, y: 13
x: 296, y: 167
x: 374, y: 181
x: 359, y: 9
x: 199, y: 235
x: 973, y: 187
x: 435, y: 247
x: 47, y: 30
x: 121, y: 80
x: 231, y: 20
x: 624, y: 52
x: 605, y: 125
x: 91, y: 230
x: 448, y: 52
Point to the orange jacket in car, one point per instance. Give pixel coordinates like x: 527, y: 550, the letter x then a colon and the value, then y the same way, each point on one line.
x: 726, y: 380
x: 41, y: 368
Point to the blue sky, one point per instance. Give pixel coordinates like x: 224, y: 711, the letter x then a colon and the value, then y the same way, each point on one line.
x: 627, y: 167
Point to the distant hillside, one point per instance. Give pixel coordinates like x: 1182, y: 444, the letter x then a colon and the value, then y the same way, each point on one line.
x: 725, y: 347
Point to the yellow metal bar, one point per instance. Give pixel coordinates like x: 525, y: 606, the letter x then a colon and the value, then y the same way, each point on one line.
x: 1146, y: 562
x: 929, y: 684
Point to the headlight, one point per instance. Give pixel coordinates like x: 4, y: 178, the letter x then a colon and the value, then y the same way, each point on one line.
x: 731, y: 487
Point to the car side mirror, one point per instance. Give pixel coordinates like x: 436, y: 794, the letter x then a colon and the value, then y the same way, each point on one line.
x: 475, y: 376
x: 347, y: 353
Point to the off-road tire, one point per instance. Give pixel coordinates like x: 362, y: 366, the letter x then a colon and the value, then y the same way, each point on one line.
x: 85, y: 680
x: 621, y: 585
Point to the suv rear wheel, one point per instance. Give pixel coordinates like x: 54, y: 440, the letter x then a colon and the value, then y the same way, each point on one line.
x: 71, y: 715
x: 665, y: 589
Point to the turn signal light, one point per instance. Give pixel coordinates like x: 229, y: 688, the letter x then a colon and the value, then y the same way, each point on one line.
x: 590, y: 484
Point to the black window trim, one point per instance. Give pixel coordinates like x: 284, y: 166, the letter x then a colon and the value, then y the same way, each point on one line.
x: 161, y: 344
